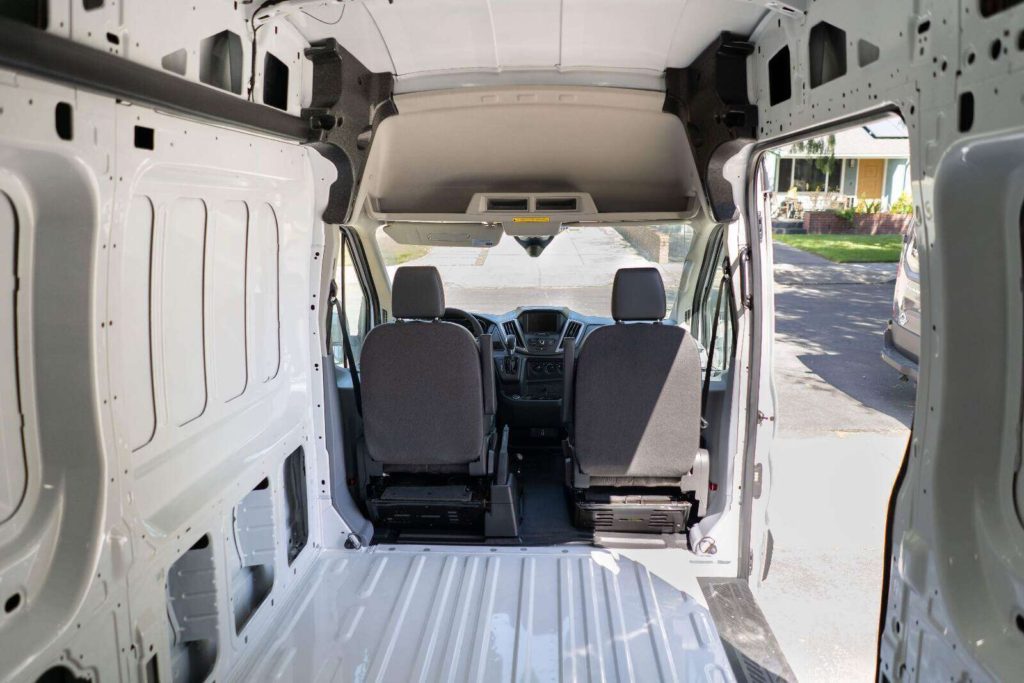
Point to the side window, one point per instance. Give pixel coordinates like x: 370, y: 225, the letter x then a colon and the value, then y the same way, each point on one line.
x: 353, y: 301
x: 717, y: 326
x: 722, y: 357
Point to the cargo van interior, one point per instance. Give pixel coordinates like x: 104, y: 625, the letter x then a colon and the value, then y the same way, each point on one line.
x: 398, y: 340
x: 528, y: 445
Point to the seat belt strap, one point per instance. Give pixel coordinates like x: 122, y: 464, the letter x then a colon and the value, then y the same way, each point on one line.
x: 346, y: 344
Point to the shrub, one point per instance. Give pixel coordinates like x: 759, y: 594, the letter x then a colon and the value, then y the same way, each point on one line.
x: 846, y: 214
x: 866, y: 206
x: 903, y: 205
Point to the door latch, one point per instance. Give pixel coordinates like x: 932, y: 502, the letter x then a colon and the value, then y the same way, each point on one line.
x: 762, y: 418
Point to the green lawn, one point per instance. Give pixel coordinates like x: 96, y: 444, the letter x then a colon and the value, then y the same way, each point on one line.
x: 849, y: 248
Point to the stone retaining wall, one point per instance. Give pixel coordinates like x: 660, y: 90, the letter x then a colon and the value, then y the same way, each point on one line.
x: 652, y: 244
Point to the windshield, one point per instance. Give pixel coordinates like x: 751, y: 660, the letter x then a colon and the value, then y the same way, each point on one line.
x: 575, y: 270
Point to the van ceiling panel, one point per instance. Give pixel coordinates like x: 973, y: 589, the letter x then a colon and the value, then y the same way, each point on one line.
x: 616, y: 145
x: 411, y: 39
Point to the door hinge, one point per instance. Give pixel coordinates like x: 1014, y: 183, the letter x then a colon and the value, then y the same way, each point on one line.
x: 762, y: 418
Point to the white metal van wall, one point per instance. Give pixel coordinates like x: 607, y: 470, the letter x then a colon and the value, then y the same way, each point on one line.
x: 156, y: 259
x: 12, y: 460
x: 953, y: 69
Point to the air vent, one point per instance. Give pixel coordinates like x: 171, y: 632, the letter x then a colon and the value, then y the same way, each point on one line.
x: 658, y: 519
x: 604, y: 518
x: 556, y: 203
x: 573, y: 330
x: 507, y: 204
x: 510, y: 329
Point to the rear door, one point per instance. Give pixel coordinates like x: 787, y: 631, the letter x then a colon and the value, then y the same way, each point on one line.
x: 756, y: 262
x: 953, y: 597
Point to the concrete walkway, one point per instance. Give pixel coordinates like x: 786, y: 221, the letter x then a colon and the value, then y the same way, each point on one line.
x: 796, y: 267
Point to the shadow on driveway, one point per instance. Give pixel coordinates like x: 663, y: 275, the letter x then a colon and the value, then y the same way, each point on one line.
x: 835, y: 334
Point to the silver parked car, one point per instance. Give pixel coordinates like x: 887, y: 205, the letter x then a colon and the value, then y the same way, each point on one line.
x: 901, y: 343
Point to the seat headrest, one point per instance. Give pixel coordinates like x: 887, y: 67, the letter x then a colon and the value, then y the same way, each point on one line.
x: 417, y: 292
x: 638, y: 294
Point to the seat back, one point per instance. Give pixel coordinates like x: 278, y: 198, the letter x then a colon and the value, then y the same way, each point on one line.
x: 636, y: 413
x: 422, y: 387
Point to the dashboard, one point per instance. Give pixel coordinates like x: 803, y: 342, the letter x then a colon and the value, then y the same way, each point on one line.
x: 528, y: 349
x: 538, y: 331
x: 528, y: 359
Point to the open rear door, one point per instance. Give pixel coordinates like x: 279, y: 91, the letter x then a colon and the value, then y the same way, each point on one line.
x: 953, y: 601
x: 758, y: 260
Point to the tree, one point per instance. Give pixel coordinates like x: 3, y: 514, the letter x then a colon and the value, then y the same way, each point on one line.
x: 821, y: 149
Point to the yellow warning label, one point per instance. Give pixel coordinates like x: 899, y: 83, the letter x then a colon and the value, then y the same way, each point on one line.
x: 531, y: 219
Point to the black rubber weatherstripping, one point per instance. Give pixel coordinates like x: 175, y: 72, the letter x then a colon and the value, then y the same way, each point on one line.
x: 33, y: 51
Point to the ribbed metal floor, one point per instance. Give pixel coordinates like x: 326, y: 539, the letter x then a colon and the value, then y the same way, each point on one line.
x: 511, y: 614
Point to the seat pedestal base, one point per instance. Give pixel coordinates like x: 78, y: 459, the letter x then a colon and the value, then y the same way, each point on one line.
x: 640, y: 513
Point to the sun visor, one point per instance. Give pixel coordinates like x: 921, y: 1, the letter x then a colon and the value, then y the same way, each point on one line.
x: 444, y: 234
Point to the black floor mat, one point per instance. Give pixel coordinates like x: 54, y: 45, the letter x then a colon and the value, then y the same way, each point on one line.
x: 547, y: 518
x: 546, y: 515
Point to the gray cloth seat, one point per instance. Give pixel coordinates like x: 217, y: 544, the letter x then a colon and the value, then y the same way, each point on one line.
x: 427, y: 388
x: 636, y: 395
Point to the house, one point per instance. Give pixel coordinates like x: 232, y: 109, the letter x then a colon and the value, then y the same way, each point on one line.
x: 870, y: 163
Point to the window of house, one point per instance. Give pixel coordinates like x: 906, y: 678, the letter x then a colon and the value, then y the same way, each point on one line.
x: 807, y: 176
x: 817, y: 175
x: 784, y: 177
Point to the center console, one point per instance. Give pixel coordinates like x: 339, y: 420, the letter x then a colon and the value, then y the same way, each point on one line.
x: 532, y: 374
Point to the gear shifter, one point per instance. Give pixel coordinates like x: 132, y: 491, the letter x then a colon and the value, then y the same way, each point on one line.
x: 510, y: 364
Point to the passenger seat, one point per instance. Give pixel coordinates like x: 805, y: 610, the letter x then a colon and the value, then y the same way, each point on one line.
x: 430, y: 457
x: 632, y: 410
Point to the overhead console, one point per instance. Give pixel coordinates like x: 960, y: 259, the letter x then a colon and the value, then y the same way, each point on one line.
x: 535, y: 214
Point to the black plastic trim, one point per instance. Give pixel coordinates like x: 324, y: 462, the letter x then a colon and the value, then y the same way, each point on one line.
x: 36, y: 52
x: 710, y: 98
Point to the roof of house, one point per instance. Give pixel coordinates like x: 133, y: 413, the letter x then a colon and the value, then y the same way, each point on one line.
x: 886, y: 139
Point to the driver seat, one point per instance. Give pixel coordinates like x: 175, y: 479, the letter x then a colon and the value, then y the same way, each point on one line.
x: 428, y: 398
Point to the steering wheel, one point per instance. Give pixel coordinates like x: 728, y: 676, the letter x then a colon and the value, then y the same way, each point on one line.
x: 477, y: 330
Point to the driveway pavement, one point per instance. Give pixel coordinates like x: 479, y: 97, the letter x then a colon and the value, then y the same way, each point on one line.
x: 843, y: 419
x: 576, y: 270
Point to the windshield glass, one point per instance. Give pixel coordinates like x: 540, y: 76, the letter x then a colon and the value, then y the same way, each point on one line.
x: 575, y: 270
